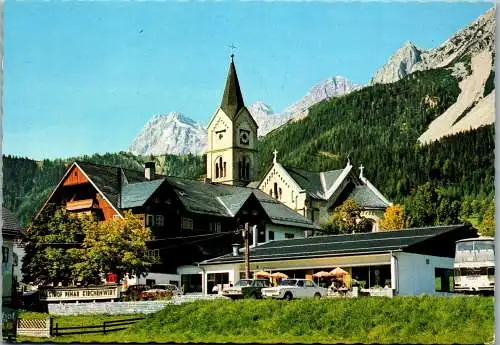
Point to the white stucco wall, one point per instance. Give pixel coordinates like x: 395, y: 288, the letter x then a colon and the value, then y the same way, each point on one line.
x: 415, y: 276
x: 291, y: 194
x: 7, y: 270
x: 231, y: 269
x: 280, y: 231
x: 160, y: 278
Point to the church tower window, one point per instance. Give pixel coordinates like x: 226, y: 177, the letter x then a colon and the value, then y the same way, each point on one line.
x: 216, y: 170
x: 275, y: 190
x: 224, y: 169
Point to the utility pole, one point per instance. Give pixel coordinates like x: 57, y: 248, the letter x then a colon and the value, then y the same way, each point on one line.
x: 246, y: 235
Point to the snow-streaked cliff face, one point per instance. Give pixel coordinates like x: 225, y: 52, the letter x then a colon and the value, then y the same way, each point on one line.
x: 475, y: 38
x: 172, y: 133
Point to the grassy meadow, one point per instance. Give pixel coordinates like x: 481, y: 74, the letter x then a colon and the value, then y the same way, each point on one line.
x: 419, y: 320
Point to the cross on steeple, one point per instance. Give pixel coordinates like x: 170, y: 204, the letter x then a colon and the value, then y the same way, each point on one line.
x: 275, y: 153
x: 233, y: 47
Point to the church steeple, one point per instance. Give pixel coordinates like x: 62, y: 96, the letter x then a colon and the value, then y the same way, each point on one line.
x: 232, y: 100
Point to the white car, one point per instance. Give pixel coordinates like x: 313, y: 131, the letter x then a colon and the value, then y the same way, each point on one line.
x: 164, y: 287
x: 295, y: 288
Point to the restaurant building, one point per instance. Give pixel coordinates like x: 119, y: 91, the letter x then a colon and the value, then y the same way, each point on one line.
x: 408, y: 262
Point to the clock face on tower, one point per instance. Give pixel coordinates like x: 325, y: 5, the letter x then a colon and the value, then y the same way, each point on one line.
x: 244, y: 136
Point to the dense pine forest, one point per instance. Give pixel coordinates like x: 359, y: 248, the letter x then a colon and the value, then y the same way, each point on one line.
x: 377, y: 126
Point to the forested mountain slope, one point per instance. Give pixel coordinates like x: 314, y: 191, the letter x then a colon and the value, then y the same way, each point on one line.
x: 378, y: 127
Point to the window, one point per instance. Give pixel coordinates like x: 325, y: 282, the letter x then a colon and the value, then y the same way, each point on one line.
x: 271, y: 235
x: 150, y: 220
x: 275, y: 190
x: 300, y: 283
x: 309, y: 283
x: 186, y: 223
x: 216, y: 170
x: 280, y: 193
x: 5, y: 254
x: 289, y: 236
x: 224, y: 171
x: 215, y: 227
x: 150, y: 282
x: 443, y: 279
x: 159, y: 220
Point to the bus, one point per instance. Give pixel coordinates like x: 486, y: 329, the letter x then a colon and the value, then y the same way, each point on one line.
x: 474, y: 267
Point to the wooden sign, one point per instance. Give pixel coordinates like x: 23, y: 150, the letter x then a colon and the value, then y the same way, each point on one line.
x: 57, y: 294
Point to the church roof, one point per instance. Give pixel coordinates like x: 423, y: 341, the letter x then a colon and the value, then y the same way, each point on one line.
x: 365, y: 197
x: 232, y: 100
x: 315, y: 183
x: 436, y: 240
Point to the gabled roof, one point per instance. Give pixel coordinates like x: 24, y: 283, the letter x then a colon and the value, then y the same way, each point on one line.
x: 225, y: 201
x: 366, y: 198
x: 10, y: 224
x: 410, y: 240
x: 281, y: 214
x: 232, y: 100
x: 107, y: 178
x: 136, y: 194
x: 315, y: 183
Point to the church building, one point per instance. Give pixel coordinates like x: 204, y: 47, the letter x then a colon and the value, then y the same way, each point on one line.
x: 232, y: 138
x: 316, y: 194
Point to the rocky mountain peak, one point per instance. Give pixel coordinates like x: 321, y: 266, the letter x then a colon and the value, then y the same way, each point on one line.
x: 172, y: 133
x: 477, y: 37
x: 399, y: 65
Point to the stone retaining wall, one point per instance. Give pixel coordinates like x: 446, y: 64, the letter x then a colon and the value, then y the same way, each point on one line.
x: 113, y: 308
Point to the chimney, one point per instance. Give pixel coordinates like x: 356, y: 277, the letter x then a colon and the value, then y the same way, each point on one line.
x: 236, y: 249
x: 149, y: 170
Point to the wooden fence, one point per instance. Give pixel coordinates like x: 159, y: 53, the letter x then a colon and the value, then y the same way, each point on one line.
x: 107, y: 326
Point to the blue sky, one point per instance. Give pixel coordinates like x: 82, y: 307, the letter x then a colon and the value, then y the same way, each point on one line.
x: 85, y: 77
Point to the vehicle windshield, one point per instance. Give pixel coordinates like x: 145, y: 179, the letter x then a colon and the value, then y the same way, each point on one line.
x: 244, y: 282
x: 288, y: 282
x: 475, y: 251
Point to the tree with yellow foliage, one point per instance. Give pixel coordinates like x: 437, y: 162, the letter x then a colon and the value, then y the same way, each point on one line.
x: 394, y: 218
x: 115, y: 246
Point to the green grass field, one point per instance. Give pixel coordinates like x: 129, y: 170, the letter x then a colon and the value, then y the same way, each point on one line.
x: 419, y: 320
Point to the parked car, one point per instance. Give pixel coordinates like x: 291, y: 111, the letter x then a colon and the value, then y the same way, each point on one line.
x: 133, y: 292
x: 163, y: 288
x: 295, y: 288
x: 246, y: 288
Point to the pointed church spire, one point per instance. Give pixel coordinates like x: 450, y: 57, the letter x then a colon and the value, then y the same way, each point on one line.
x: 232, y: 100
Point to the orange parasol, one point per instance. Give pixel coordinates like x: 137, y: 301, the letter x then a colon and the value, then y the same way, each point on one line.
x: 261, y: 274
x: 278, y: 275
x: 338, y: 272
x: 322, y: 274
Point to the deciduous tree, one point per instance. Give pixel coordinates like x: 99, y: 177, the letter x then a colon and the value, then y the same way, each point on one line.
x: 394, y: 218
x: 347, y: 219
x: 114, y: 246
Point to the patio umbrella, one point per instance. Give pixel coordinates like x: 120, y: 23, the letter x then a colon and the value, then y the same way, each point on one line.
x: 338, y: 272
x: 321, y: 274
x: 278, y: 275
x: 262, y: 274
